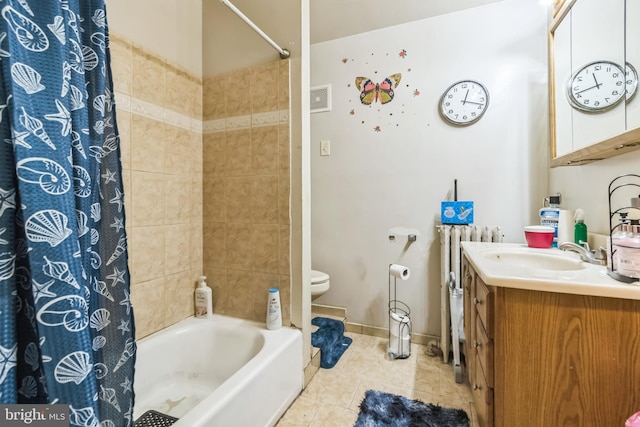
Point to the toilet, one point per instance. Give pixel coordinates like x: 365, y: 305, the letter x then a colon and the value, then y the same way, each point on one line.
x: 319, y: 283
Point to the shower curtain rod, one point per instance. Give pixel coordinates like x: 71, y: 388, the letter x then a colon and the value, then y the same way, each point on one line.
x: 284, y: 53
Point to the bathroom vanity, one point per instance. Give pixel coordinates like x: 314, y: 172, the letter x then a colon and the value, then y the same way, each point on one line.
x: 550, y: 340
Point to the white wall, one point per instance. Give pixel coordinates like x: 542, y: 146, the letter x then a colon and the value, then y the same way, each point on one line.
x: 170, y: 28
x: 587, y: 187
x: 397, y: 177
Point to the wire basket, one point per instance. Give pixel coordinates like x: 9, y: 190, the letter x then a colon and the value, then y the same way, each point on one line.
x: 399, y: 330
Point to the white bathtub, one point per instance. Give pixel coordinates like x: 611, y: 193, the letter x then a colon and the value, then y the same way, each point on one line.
x: 219, y: 372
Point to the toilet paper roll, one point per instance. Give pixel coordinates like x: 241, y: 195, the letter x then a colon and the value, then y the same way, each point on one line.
x: 399, y: 271
x: 565, y: 226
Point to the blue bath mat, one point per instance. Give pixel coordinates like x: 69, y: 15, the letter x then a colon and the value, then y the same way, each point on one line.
x: 330, y: 339
x: 379, y: 409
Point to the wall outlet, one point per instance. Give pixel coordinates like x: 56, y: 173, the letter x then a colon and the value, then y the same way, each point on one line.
x: 325, y: 148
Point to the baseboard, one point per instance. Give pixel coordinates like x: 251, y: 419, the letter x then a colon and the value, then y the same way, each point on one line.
x: 379, y: 332
x: 328, y: 310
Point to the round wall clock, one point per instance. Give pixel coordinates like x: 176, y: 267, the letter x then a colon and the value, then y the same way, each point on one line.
x: 464, y: 102
x: 631, y: 83
x: 596, y: 87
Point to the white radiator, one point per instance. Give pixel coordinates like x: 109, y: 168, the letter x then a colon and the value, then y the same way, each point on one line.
x: 450, y: 262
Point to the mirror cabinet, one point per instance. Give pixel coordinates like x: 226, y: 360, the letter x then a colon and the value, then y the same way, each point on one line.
x: 592, y: 116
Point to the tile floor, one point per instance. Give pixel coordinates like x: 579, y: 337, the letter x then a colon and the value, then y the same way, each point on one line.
x: 333, y: 396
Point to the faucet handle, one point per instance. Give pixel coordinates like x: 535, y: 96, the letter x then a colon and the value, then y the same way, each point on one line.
x: 585, y: 245
x: 601, y: 253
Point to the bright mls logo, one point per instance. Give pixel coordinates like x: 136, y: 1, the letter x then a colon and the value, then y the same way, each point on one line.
x: 34, y: 415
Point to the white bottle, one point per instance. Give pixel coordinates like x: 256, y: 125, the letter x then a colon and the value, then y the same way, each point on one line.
x: 204, y: 300
x: 274, y: 314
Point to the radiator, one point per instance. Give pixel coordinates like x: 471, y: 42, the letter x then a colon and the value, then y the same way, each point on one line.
x: 450, y: 262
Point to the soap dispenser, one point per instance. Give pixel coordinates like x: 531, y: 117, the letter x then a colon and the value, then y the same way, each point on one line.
x: 203, y: 300
x: 580, y: 228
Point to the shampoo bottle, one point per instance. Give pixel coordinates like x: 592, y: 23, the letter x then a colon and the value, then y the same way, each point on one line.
x: 204, y: 300
x: 580, y: 228
x: 274, y: 313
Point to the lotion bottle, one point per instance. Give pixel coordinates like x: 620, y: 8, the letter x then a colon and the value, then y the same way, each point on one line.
x: 274, y: 313
x: 203, y: 300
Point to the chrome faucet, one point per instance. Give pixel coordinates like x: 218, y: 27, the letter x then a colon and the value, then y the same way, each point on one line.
x: 598, y: 256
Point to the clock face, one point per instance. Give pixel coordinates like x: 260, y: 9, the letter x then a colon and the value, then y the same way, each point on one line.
x: 597, y: 87
x: 464, y: 102
x: 631, y: 83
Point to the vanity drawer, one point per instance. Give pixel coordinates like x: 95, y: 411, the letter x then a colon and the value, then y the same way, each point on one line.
x: 482, y: 397
x: 483, y: 301
x: 484, y: 349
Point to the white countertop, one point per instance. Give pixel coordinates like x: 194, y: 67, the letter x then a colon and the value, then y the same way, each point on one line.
x: 589, y: 279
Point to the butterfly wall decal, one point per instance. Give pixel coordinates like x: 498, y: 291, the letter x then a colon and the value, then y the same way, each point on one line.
x: 371, y: 92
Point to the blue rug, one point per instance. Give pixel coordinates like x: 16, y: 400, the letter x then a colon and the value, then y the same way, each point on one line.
x: 330, y: 339
x: 379, y: 409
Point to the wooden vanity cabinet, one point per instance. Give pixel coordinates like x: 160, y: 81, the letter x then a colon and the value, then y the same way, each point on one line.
x: 544, y: 359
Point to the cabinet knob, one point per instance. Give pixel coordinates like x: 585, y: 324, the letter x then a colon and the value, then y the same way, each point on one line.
x: 476, y: 301
x: 477, y: 387
x: 476, y: 344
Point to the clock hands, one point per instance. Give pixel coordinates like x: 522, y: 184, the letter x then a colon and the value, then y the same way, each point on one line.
x: 464, y: 101
x: 597, y: 85
x: 474, y: 103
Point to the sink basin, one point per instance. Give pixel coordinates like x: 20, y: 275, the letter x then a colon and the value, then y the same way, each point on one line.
x: 534, y: 260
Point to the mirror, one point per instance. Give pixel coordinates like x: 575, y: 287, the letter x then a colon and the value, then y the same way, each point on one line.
x: 581, y: 33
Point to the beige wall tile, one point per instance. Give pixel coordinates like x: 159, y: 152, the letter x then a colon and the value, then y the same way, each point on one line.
x: 214, y: 146
x: 238, y: 152
x: 283, y: 85
x: 214, y: 244
x: 238, y: 198
x: 196, y: 199
x: 177, y: 150
x: 194, y: 98
x: 124, y: 131
x: 146, y: 253
x: 196, y: 150
x: 238, y: 246
x: 284, y: 266
x: 177, y: 87
x: 284, y: 148
x: 217, y: 281
x: 284, y: 186
x: 261, y: 283
x: 177, y: 248
x: 121, y: 64
x: 264, y: 199
x: 196, y: 245
x: 213, y: 99
x: 264, y: 87
x: 236, y: 99
x: 264, y: 150
x: 148, y: 299
x: 213, y: 200
x: 147, y: 192
x: 126, y: 187
x: 147, y: 144
x: 148, y: 77
x: 177, y: 199
x: 237, y: 300
x: 178, y: 298
x: 265, y: 248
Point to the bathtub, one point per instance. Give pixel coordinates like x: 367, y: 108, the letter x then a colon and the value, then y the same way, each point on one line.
x: 219, y: 372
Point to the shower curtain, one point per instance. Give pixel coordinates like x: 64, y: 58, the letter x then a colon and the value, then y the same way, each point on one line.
x: 66, y: 322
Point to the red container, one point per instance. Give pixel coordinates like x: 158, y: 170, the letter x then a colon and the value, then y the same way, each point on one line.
x: 539, y: 236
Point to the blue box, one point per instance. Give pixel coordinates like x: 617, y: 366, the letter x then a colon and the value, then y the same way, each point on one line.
x: 456, y: 212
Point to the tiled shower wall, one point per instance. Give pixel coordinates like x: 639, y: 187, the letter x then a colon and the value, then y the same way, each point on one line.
x: 246, y: 189
x: 159, y: 116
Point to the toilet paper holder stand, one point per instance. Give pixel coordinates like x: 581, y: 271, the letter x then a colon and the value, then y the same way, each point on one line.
x: 399, y: 324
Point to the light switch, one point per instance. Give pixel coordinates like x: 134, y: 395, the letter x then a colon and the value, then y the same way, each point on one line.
x: 325, y: 148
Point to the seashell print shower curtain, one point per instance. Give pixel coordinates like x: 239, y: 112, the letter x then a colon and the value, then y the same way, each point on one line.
x: 66, y: 321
